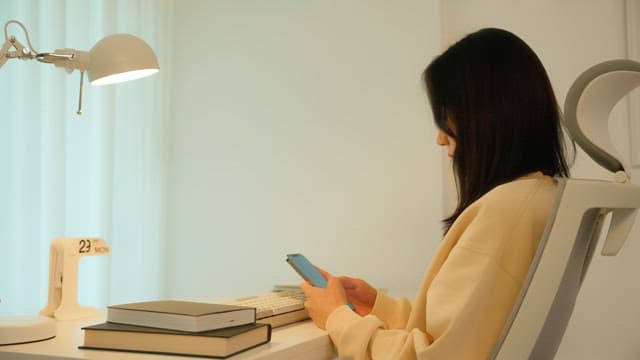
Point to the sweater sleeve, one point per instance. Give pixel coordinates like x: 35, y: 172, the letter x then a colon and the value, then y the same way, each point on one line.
x: 469, y: 299
x: 393, y: 312
x: 367, y: 337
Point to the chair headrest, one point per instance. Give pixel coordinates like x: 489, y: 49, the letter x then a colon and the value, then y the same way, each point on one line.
x: 588, y: 104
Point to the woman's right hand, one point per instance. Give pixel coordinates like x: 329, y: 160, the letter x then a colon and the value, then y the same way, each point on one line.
x: 359, y: 293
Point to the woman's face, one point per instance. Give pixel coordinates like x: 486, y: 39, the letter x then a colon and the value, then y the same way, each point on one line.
x: 445, y: 140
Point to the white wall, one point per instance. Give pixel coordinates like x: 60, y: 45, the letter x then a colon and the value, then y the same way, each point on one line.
x: 569, y: 36
x: 301, y: 127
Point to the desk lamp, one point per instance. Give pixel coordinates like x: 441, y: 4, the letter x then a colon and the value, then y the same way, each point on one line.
x: 115, y: 58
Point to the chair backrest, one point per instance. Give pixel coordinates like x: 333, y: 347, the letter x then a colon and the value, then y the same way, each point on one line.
x: 544, y: 306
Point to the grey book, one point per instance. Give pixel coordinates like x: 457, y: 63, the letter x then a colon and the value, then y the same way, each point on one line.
x: 181, y: 315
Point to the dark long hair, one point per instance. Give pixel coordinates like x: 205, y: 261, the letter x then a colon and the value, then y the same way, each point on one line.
x: 490, y: 92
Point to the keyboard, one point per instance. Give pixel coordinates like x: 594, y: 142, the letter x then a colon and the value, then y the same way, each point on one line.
x: 278, y: 308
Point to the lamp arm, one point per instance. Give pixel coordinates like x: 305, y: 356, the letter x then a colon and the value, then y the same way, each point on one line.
x: 26, y: 33
x: 20, y: 52
x: 70, y: 59
x: 4, y: 52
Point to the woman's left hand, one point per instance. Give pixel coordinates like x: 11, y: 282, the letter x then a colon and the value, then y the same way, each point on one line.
x: 321, y: 302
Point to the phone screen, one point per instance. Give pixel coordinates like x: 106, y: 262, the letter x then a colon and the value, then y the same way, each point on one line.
x: 306, y: 269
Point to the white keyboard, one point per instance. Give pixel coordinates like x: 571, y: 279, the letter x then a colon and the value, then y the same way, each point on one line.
x: 277, y: 308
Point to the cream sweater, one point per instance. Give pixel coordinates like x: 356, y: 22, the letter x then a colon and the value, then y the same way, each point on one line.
x: 469, y: 288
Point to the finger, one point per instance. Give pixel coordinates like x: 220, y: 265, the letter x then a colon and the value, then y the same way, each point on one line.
x: 333, y: 282
x: 348, y: 283
x: 306, y: 287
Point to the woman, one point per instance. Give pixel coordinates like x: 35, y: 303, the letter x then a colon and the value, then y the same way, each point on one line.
x: 498, y: 117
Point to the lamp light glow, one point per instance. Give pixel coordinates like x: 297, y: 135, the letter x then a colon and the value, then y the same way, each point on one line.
x: 122, y: 77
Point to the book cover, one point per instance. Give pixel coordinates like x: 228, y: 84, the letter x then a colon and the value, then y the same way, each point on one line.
x: 219, y: 343
x: 181, y: 315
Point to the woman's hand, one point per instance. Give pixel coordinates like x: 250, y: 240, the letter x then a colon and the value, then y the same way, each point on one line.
x: 339, y: 291
x: 321, y: 302
x: 359, y: 293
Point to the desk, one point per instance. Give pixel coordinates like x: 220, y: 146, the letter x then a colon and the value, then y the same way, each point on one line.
x: 302, y: 340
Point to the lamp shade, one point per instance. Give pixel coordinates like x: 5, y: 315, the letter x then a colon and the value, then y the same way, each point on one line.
x: 120, y: 57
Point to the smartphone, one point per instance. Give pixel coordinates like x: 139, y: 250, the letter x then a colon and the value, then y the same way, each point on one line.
x: 306, y: 269
x: 308, y: 272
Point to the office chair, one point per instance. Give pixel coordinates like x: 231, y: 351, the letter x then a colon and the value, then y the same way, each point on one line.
x: 544, y: 306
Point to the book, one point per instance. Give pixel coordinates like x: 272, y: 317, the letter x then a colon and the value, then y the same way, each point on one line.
x: 181, y: 315
x: 219, y: 343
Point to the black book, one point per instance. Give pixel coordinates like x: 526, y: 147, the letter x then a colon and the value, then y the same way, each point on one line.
x: 219, y: 343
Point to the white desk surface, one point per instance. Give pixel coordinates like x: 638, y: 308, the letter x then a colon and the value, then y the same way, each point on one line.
x: 301, y: 340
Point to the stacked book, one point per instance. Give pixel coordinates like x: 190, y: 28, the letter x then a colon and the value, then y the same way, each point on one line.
x: 178, y: 327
